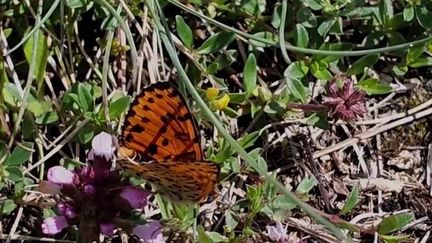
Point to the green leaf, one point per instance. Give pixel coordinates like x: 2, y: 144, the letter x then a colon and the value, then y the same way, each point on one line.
x: 184, y: 31
x: 4, y: 152
x: 306, y: 185
x: 202, y: 236
x: 267, y: 35
x: 225, y: 59
x: 20, y: 154
x: 230, y: 112
x: 276, y: 16
x: 282, y: 202
x: 307, y: 18
x: 237, y: 98
x: 424, y: 17
x: 386, y: 11
x: 37, y: 107
x: 117, y: 107
x: 249, y: 139
x: 400, y: 69
x: 76, y: 3
x: 346, y: 225
x: 325, y: 26
x: 394, y: 222
x: 86, y: 134
x: 230, y: 220
x: 408, y: 13
x: 319, y: 70
x: 395, y: 238
x: 297, y: 69
x: 296, y: 88
x: 216, y: 237
x: 8, y: 206
x: 14, y: 173
x: 40, y: 60
x: 250, y: 74
x: 421, y: 62
x: 351, y: 201
x: 255, y: 196
x: 318, y: 120
x: 85, y: 98
x: 301, y: 36
x: 256, y: 155
x: 28, y: 126
x: 415, y: 52
x: 314, y: 4
x: 365, y: 61
x: 373, y: 87
x: 47, y: 118
x: 216, y: 42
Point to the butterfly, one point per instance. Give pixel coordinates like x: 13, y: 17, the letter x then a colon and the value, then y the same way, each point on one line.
x: 159, y: 127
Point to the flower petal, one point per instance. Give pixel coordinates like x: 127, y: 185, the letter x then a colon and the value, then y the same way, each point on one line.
x: 89, y: 189
x: 60, y: 175
x: 277, y: 233
x: 273, y: 233
x: 150, y: 232
x: 107, y: 229
x: 54, y: 225
x: 135, y: 196
x: 102, y: 145
x: 66, y: 210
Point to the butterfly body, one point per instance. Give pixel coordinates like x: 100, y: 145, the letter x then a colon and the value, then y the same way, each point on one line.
x: 160, y: 127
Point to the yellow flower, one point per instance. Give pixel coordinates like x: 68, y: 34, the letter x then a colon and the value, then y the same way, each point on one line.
x: 222, y: 102
x: 212, y: 93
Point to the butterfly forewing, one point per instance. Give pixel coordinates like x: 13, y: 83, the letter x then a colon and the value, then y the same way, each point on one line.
x: 160, y: 126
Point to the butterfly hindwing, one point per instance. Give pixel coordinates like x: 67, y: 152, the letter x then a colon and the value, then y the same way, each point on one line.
x: 179, y: 180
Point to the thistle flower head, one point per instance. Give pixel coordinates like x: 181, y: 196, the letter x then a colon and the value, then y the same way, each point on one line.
x: 346, y: 102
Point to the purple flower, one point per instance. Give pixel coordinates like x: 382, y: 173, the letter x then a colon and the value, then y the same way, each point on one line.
x: 278, y: 233
x: 345, y: 103
x: 89, y: 189
x: 54, y: 225
x: 66, y: 210
x: 94, y: 197
x: 60, y: 175
x: 135, y: 196
x: 150, y: 232
x: 107, y: 228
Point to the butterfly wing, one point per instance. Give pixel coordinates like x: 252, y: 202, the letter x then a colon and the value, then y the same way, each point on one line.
x: 159, y: 125
x: 184, y: 181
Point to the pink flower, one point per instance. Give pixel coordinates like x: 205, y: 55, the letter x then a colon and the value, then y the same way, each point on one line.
x: 346, y: 102
x: 278, y: 233
x: 60, y: 175
x: 135, y: 196
x: 150, y: 232
x: 54, y: 225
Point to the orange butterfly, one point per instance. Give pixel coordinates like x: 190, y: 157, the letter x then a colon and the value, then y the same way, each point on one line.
x: 159, y: 126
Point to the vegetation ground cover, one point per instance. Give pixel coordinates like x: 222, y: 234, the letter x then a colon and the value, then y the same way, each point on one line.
x: 316, y: 111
